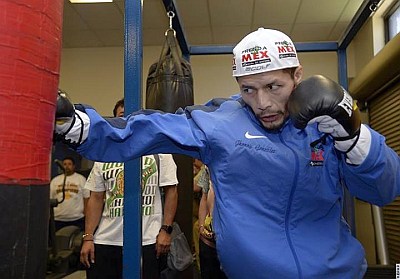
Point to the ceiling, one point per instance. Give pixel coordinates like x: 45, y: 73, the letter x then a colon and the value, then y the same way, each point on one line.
x: 209, y: 22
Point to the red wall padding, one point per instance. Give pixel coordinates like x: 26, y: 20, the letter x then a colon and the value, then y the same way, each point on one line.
x: 30, y: 49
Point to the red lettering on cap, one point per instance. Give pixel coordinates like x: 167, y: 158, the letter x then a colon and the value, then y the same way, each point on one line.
x: 285, y: 49
x: 246, y: 57
x: 264, y: 54
x: 281, y: 49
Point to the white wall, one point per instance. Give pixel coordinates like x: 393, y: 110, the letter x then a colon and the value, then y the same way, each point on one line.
x: 95, y: 76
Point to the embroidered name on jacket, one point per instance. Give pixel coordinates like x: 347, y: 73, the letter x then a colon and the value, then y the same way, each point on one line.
x: 256, y: 147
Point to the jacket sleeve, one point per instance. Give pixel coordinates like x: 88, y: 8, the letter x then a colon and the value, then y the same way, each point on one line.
x: 143, y: 133
x: 377, y: 179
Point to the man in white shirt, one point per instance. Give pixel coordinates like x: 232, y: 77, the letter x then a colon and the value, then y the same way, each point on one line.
x: 71, y: 209
x: 101, y: 252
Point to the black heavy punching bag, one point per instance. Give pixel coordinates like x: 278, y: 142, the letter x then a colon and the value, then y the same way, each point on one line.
x: 169, y: 87
x: 170, y: 81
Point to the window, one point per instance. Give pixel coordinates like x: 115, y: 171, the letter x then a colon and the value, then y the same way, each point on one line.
x: 393, y: 21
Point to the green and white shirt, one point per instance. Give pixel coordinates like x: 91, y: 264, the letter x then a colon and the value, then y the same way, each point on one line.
x: 109, y: 177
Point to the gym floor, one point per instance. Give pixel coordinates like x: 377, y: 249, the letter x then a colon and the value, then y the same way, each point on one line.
x: 80, y: 274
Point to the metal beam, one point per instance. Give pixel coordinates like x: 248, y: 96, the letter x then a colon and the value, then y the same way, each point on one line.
x: 316, y: 46
x: 208, y: 50
x: 342, y: 68
x: 227, y: 49
x: 177, y: 26
x: 133, y: 60
x: 363, y: 13
x: 365, y: 10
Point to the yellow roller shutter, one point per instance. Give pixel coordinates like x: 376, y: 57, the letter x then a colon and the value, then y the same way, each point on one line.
x: 384, y: 113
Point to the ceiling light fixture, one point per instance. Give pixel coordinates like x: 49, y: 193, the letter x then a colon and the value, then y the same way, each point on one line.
x: 90, y: 1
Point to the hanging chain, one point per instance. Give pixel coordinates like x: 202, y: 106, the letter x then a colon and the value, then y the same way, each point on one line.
x: 170, y: 15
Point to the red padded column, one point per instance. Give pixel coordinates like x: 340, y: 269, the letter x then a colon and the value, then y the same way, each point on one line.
x: 30, y: 46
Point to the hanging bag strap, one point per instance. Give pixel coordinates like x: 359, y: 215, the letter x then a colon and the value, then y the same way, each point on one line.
x: 171, y: 48
x: 175, y: 51
x: 164, y: 53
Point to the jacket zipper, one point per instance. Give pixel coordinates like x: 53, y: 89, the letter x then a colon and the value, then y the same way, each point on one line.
x: 289, y: 207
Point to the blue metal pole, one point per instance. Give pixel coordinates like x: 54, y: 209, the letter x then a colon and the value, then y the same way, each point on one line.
x: 227, y: 49
x: 342, y: 68
x: 133, y: 61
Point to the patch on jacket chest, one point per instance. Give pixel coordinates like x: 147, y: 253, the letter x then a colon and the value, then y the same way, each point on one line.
x: 317, y: 155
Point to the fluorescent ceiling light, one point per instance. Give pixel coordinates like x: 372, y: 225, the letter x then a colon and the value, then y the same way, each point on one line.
x: 90, y: 1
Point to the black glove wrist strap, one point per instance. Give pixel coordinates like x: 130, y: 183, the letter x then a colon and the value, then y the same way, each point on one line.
x: 356, y: 136
x: 82, y: 126
x: 323, y: 140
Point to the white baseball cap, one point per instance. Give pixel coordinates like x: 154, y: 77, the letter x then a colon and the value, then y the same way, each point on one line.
x: 263, y: 50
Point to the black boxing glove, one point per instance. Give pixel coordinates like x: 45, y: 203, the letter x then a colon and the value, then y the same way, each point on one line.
x: 65, y: 110
x: 71, y: 125
x: 319, y: 99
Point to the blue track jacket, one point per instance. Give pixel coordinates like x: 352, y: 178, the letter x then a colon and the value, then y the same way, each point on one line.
x: 278, y: 200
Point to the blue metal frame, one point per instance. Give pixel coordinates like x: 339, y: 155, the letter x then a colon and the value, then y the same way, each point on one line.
x: 133, y: 84
x: 133, y: 58
x: 227, y: 49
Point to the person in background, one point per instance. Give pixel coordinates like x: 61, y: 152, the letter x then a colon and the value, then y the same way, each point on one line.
x: 197, y: 164
x: 280, y: 155
x: 210, y: 266
x: 71, y: 211
x: 102, y: 245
